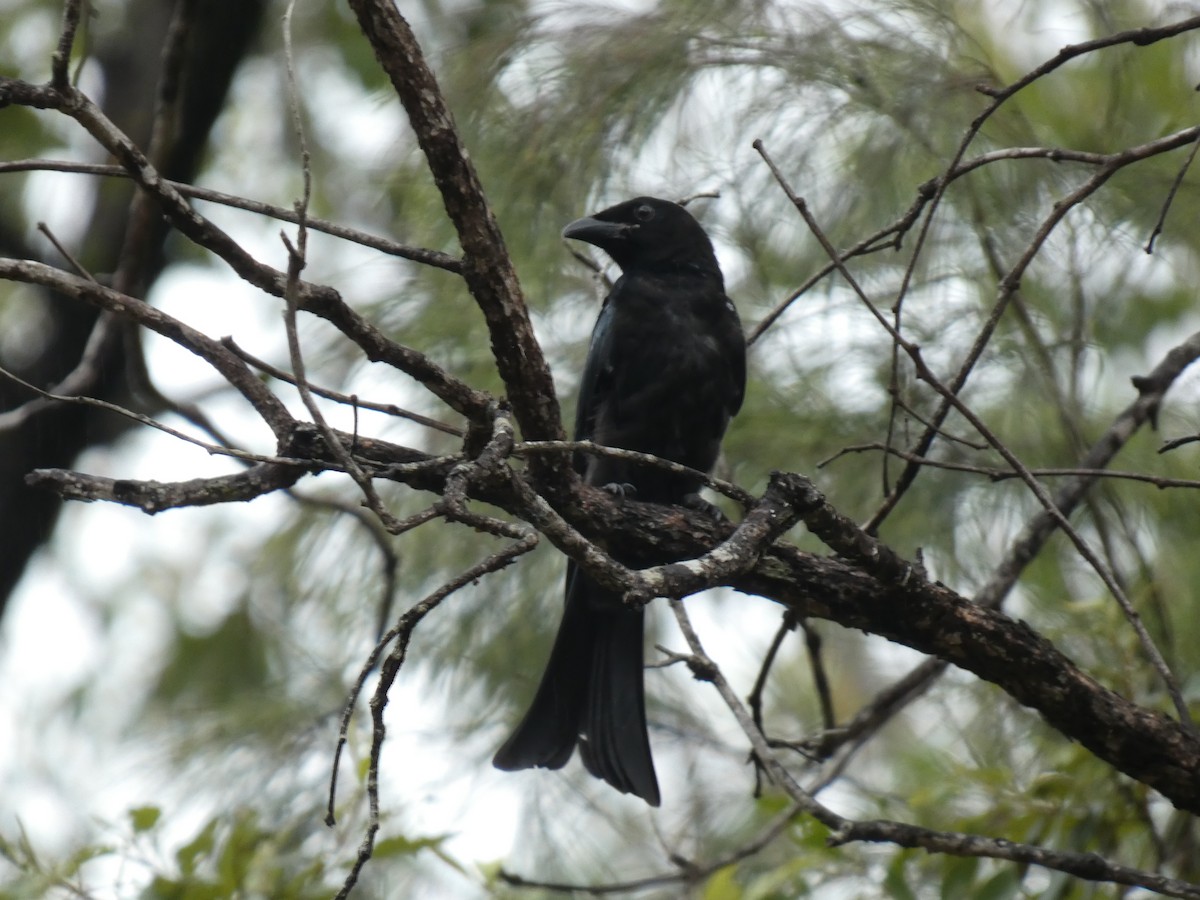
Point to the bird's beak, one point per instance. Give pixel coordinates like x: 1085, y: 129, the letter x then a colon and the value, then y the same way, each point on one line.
x: 595, y: 231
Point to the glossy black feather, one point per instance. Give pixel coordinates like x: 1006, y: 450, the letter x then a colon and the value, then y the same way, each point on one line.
x: 665, y: 372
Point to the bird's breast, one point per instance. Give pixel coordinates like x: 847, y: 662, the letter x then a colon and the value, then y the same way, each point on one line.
x: 669, y: 383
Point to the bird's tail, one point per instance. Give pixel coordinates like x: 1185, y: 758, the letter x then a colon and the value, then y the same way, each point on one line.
x: 614, y: 744
x: 550, y: 729
x: 591, y: 693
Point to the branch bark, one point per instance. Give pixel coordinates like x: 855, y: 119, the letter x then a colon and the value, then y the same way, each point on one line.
x: 870, y: 588
x: 487, y: 268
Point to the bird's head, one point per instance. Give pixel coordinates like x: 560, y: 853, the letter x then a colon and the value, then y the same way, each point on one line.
x: 647, y: 233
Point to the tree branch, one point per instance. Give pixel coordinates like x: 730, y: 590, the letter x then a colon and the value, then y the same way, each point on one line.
x: 879, y: 592
x: 317, y: 299
x: 844, y: 830
x: 487, y: 269
x: 232, y: 369
x: 154, y: 497
x: 434, y: 258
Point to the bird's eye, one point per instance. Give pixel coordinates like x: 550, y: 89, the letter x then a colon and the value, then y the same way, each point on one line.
x: 644, y: 213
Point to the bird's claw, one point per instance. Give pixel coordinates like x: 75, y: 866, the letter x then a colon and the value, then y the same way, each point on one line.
x: 699, y: 504
x: 621, y: 490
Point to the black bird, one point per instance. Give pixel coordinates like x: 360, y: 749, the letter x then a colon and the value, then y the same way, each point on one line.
x: 666, y: 370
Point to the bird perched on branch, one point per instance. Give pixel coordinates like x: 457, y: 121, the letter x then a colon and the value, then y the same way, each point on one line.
x: 666, y: 370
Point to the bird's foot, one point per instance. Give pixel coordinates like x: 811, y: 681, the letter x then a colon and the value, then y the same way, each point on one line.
x: 699, y: 504
x: 621, y: 490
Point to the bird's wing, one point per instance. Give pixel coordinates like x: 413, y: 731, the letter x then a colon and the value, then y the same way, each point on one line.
x: 597, y: 372
x: 735, y: 353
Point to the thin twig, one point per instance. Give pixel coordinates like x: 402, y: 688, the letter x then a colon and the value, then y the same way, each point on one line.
x: 843, y: 830
x: 998, y: 474
x: 349, y: 399
x: 691, y: 874
x: 433, y: 258
x: 1162, y: 216
x: 1176, y: 443
x: 950, y: 396
x: 60, y: 61
x: 890, y: 236
x: 389, y: 670
x: 297, y: 260
x: 66, y: 254
x: 755, y: 698
x: 85, y: 373
x: 734, y: 492
x: 15, y: 417
x: 812, y: 640
x: 889, y: 701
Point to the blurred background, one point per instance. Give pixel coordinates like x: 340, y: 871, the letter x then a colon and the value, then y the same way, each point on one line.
x: 170, y: 687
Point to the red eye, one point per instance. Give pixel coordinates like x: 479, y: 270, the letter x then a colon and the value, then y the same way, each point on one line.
x: 644, y: 213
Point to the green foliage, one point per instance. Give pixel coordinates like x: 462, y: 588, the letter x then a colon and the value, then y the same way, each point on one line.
x: 231, y: 858
x: 217, y: 667
x: 144, y: 818
x: 37, y: 877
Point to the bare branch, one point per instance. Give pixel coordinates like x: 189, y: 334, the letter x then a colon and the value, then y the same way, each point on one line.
x: 266, y: 404
x: 951, y: 399
x: 1082, y: 865
x: 154, y: 497
x: 433, y: 258
x: 317, y: 299
x: 349, y: 399
x: 997, y: 474
x: 692, y: 873
x: 1162, y: 216
x: 906, y: 607
x: 61, y: 60
x: 487, y: 269
x: 401, y: 634
x: 1032, y: 537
